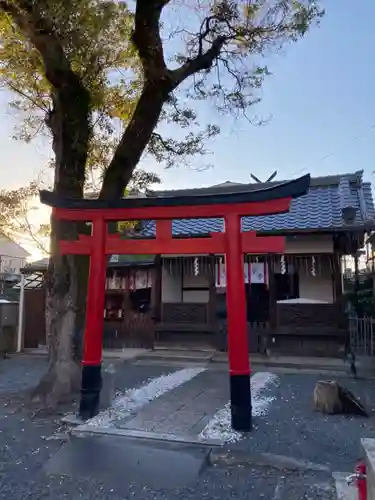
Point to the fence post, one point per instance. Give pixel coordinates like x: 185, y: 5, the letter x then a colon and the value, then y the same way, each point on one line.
x: 362, y: 335
x: 21, y: 306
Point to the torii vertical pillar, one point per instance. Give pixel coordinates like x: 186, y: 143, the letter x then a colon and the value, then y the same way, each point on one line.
x: 93, y: 334
x: 238, y: 353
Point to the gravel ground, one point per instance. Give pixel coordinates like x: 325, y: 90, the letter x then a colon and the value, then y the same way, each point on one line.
x: 25, y: 433
x: 215, y: 485
x: 130, y: 375
x: 21, y: 372
x: 291, y: 428
x: 294, y: 429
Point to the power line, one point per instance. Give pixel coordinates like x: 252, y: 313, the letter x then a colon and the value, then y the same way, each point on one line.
x: 332, y: 153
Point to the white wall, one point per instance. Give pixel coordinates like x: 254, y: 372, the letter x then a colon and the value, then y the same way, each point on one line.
x: 316, y: 288
x: 196, y: 296
x: 171, y: 291
x: 191, y: 281
x: 11, y: 264
x: 12, y: 256
x: 12, y: 249
x: 319, y: 287
x: 170, y: 287
x: 309, y: 244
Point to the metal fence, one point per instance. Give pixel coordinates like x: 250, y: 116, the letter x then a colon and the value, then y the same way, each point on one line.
x: 362, y: 335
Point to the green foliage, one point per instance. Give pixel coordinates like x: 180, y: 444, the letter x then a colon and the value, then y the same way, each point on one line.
x: 361, y: 297
x: 95, y: 37
x: 246, y: 32
x: 16, y: 205
x: 13, y: 207
x: 115, y: 50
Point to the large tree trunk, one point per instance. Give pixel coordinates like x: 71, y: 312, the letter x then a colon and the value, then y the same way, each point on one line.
x: 67, y: 275
x: 66, y: 289
x: 63, y: 375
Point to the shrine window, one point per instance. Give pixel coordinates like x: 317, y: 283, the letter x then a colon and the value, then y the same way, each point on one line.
x: 140, y: 300
x: 286, y: 286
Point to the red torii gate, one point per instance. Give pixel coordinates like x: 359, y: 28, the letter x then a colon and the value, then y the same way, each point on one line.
x: 233, y: 243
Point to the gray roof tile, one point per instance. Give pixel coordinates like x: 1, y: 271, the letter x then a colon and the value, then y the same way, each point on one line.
x: 345, y: 193
x: 320, y: 209
x: 367, y: 193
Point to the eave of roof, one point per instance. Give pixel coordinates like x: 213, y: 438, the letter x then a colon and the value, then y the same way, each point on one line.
x: 291, y: 189
x: 322, y: 210
x: 323, y: 181
x: 334, y: 203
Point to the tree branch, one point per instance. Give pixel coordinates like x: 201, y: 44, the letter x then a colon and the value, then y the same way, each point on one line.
x: 157, y: 87
x: 23, y: 94
x: 134, y: 140
x: 160, y: 4
x: 29, y: 229
x: 30, y: 21
x: 203, y: 61
x: 69, y: 120
x: 167, y: 146
x: 147, y: 40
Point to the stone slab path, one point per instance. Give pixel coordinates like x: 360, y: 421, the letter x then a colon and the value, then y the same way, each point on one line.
x: 185, y: 410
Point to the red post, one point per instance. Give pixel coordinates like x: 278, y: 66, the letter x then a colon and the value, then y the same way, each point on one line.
x: 361, y: 482
x: 93, y: 336
x: 239, y: 366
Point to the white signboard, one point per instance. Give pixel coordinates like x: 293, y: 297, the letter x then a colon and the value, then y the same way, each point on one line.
x: 142, y: 280
x: 138, y: 280
x: 255, y: 270
x: 220, y: 280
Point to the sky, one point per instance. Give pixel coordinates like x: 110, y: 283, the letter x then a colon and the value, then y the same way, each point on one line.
x: 320, y: 100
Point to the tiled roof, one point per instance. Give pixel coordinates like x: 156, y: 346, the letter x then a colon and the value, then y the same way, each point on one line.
x: 332, y: 203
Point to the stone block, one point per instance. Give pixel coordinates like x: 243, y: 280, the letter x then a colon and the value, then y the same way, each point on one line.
x: 107, y: 394
x: 368, y: 451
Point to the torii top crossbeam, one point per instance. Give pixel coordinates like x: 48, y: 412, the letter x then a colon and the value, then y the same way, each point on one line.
x: 275, y: 199
x: 257, y: 202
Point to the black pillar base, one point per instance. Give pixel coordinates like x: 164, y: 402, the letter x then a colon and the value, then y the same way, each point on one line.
x: 90, y: 391
x: 240, y: 399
